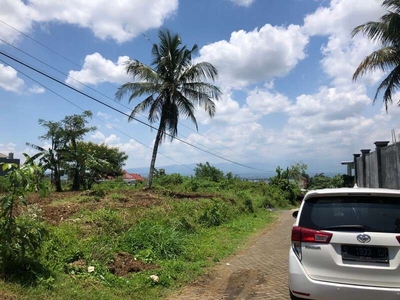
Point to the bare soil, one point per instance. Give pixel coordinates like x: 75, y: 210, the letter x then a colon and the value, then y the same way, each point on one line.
x: 124, y: 264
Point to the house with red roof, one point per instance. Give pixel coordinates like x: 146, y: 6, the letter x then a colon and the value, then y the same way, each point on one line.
x: 130, y: 178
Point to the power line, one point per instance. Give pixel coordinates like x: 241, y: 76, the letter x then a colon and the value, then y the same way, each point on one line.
x: 102, y: 79
x: 72, y: 103
x: 119, y: 111
x: 96, y: 91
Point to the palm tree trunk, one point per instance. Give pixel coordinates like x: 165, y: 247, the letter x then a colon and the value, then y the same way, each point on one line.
x: 154, y: 156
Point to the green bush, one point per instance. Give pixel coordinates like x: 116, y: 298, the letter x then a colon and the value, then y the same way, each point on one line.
x: 214, y: 215
x: 246, y: 201
x: 174, y: 179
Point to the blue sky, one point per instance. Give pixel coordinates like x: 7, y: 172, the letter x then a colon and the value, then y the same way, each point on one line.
x: 285, y: 69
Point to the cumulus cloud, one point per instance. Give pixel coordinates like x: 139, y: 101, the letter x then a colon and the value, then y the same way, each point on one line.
x: 229, y: 111
x: 121, y: 21
x: 9, y: 80
x: 330, y: 121
x: 266, y: 102
x: 339, y: 18
x: 342, y: 53
x: 16, y: 14
x: 244, y: 3
x: 258, y: 55
x: 97, y: 69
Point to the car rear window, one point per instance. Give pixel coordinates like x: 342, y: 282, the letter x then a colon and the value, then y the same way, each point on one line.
x: 377, y: 214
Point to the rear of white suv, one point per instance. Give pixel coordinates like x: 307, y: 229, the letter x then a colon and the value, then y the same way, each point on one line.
x: 346, y: 245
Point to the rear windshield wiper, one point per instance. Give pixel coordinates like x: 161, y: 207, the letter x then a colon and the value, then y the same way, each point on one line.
x: 360, y: 228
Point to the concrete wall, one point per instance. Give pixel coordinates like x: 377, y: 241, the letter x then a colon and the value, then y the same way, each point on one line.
x: 380, y: 168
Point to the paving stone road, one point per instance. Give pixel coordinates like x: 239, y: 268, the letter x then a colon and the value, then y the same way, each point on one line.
x: 259, y: 272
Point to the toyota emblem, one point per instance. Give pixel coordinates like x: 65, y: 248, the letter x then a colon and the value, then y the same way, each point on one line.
x: 363, y: 238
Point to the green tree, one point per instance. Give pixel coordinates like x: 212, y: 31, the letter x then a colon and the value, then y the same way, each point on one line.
x: 206, y: 171
x: 321, y: 181
x: 94, y: 161
x: 64, y: 155
x: 173, y: 86
x: 75, y: 128
x: 386, y: 31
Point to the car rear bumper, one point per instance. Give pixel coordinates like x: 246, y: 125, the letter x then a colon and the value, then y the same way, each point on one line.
x: 299, y: 281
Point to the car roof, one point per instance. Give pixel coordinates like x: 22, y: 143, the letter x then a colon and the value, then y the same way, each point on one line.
x: 352, y: 191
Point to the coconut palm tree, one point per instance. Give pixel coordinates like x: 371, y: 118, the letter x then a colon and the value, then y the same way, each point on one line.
x: 172, y: 85
x: 387, y: 32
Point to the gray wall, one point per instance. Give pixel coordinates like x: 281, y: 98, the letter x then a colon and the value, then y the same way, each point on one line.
x: 380, y: 171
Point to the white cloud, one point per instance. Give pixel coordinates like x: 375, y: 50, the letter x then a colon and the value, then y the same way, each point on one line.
x: 266, y: 102
x: 343, y: 54
x: 97, y: 69
x: 16, y: 14
x: 9, y: 80
x: 258, y: 55
x: 120, y: 20
x: 228, y: 111
x: 98, y: 136
x: 245, y: 3
x: 35, y: 89
x: 112, y: 139
x: 340, y: 17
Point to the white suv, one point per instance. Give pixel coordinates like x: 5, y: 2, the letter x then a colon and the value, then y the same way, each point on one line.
x: 346, y: 245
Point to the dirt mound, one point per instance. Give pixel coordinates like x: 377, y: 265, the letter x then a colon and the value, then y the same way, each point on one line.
x: 124, y: 264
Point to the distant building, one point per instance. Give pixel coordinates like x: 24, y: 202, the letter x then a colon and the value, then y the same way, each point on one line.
x: 8, y: 160
x: 131, y: 178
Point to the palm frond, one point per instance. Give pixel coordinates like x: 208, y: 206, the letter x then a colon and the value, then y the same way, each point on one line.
x: 383, y: 59
x: 142, y: 106
x: 186, y: 107
x: 36, y: 147
x: 199, y: 72
x: 389, y: 84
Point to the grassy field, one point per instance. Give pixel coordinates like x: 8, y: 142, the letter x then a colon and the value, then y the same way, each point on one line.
x: 106, y: 243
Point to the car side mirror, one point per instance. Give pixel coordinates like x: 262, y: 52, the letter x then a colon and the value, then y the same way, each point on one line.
x: 295, y: 213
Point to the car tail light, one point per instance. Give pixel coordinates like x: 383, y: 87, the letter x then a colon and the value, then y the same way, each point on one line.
x: 398, y: 238
x: 306, y: 235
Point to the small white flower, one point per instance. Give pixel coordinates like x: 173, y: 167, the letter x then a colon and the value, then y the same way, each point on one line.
x: 90, y: 269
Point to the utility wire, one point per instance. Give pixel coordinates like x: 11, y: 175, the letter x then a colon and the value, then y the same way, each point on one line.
x: 119, y: 111
x: 72, y: 103
x: 103, y: 80
x: 89, y: 87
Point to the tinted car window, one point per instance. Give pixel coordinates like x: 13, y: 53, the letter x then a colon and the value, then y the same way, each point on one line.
x: 378, y: 214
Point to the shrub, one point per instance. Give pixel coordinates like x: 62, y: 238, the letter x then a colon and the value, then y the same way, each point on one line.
x: 20, y: 238
x: 214, y: 215
x: 246, y: 201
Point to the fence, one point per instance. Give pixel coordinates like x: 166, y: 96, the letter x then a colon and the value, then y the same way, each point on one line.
x: 378, y: 169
